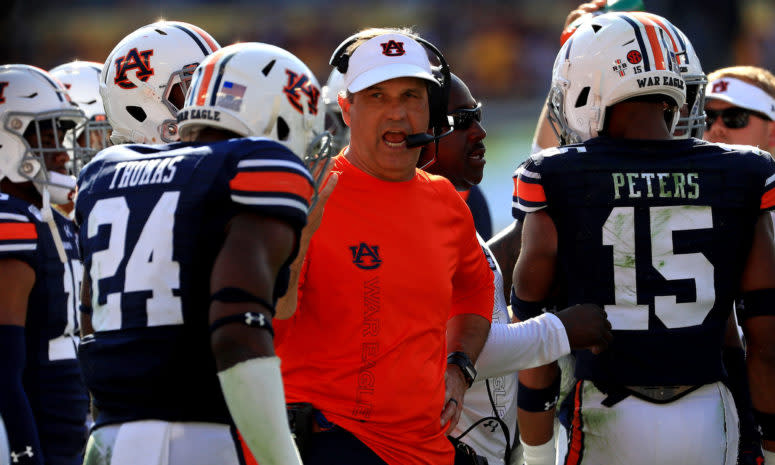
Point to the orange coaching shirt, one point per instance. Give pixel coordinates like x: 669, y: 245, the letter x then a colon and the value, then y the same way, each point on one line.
x: 390, y: 263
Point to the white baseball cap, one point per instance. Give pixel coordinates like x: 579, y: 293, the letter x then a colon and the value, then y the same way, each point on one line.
x: 384, y: 57
x: 741, y: 94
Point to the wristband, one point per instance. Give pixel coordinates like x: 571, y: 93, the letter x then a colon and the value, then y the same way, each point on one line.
x: 757, y: 303
x: 525, y: 310
x: 538, y: 400
x: 462, y: 360
x: 252, y: 319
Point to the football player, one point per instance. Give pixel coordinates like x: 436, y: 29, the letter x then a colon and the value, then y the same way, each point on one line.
x: 43, y: 401
x: 690, y: 124
x: 82, y: 81
x: 652, y: 231
x: 143, y: 83
x: 184, y: 278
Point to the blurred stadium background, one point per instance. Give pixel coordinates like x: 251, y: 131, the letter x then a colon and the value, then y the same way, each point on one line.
x: 503, y: 49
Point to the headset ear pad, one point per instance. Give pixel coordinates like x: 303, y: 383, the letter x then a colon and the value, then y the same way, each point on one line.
x: 438, y: 99
x: 340, y: 59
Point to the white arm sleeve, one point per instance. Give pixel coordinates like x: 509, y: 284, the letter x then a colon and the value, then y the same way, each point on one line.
x: 254, y: 393
x: 517, y: 346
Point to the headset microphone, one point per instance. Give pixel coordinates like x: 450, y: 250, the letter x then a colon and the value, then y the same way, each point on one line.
x: 423, y: 138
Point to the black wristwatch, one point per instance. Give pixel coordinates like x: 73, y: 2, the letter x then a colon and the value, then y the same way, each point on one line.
x: 462, y: 360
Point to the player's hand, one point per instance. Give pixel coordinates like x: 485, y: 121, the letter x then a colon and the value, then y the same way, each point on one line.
x: 587, y: 327
x: 456, y: 387
x: 583, y: 9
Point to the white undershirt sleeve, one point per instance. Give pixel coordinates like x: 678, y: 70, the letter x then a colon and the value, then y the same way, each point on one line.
x: 517, y: 346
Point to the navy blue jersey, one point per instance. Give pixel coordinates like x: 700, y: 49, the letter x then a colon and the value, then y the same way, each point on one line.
x: 153, y: 220
x: 52, y: 377
x: 477, y: 203
x: 657, y: 232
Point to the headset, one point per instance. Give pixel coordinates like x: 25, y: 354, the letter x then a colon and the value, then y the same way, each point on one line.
x: 438, y: 97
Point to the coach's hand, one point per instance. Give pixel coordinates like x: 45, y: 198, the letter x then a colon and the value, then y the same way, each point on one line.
x: 453, y: 396
x: 587, y: 327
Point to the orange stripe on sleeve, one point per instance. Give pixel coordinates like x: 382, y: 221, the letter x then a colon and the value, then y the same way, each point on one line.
x: 11, y: 231
x: 768, y: 199
x: 272, y: 181
x: 516, y: 183
x: 206, y: 37
x: 530, y: 192
x: 201, y: 98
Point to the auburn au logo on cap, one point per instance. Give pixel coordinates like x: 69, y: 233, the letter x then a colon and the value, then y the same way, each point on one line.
x: 720, y: 86
x: 368, y: 65
x: 393, y: 48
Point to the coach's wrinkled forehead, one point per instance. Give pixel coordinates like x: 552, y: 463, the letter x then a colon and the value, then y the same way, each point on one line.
x: 384, y: 57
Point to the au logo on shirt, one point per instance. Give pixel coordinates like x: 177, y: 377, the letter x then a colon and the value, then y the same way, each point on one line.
x: 366, y: 257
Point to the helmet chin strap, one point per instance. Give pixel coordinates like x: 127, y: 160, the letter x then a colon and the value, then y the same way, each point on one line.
x: 60, y: 185
x: 48, y: 216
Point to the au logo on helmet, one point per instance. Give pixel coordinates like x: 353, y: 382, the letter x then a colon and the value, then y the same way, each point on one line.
x: 392, y: 48
x: 298, y: 85
x: 141, y: 61
x: 3, y: 85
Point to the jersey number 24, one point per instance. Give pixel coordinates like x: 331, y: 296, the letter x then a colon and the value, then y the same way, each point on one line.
x: 150, y: 266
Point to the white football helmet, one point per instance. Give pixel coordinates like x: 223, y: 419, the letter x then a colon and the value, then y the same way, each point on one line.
x: 611, y: 58
x: 31, y: 102
x: 82, y: 81
x: 145, y: 78
x: 255, y: 89
x: 340, y: 132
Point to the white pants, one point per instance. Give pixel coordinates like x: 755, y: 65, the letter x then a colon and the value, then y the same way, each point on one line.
x: 153, y: 442
x: 700, y: 428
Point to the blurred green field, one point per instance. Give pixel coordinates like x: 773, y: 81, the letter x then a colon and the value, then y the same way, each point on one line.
x: 508, y: 144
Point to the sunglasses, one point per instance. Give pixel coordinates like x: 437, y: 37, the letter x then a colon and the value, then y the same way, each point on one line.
x: 463, y: 118
x: 733, y: 118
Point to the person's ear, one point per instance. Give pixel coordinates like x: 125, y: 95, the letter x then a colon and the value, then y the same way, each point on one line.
x: 344, y: 104
x: 771, y: 136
